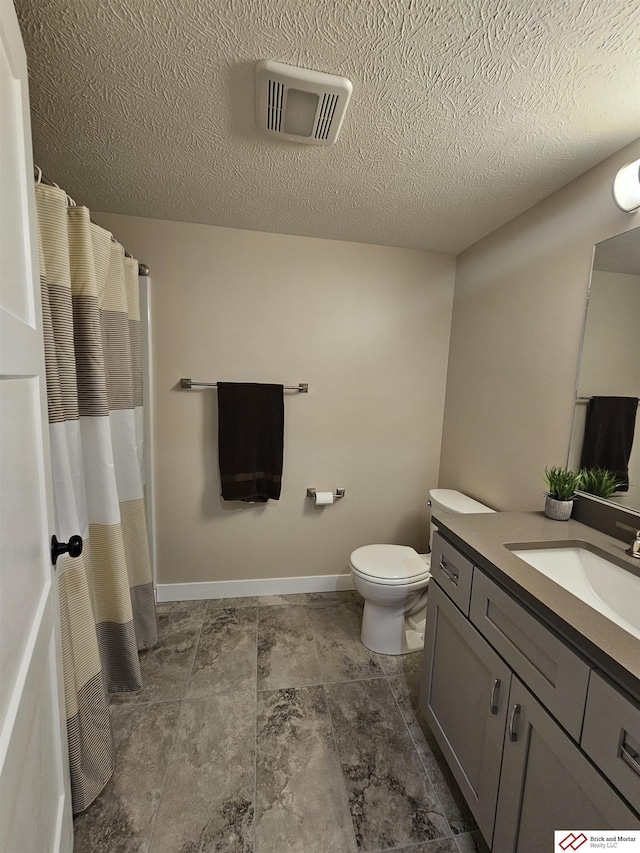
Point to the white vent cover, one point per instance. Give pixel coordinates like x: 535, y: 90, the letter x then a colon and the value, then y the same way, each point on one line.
x: 300, y: 105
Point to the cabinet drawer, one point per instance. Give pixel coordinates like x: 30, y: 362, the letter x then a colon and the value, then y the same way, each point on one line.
x: 611, y: 736
x: 555, y: 674
x: 453, y: 571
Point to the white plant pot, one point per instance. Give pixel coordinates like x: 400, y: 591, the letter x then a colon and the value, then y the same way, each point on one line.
x: 558, y: 510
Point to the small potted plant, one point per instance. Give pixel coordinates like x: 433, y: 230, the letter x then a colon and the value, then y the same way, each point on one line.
x: 561, y: 491
x: 599, y: 482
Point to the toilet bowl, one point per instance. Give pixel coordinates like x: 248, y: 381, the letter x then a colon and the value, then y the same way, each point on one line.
x: 393, y: 580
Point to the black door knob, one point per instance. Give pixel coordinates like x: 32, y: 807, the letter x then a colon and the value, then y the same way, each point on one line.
x: 73, y: 548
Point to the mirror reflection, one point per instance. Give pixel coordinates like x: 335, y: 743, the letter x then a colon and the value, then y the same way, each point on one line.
x: 606, y: 428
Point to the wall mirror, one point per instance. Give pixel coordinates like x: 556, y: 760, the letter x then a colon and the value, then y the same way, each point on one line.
x: 610, y: 357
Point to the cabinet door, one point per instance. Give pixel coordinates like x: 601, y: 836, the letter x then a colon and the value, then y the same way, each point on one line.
x: 547, y: 784
x: 463, y: 694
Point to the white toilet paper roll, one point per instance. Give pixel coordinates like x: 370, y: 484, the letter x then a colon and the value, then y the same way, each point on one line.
x: 324, y: 498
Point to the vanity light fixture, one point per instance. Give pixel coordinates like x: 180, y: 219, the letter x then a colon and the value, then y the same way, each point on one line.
x: 626, y: 187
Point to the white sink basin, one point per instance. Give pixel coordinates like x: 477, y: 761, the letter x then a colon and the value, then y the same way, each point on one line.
x: 608, y: 588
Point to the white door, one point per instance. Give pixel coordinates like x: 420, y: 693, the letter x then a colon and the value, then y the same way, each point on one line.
x: 35, y: 802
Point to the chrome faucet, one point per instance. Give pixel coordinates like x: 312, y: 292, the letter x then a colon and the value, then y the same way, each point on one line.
x: 634, y: 549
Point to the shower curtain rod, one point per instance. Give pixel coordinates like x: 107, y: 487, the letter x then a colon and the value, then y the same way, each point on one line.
x: 40, y: 178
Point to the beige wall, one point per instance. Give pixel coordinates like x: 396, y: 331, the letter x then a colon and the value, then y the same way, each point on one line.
x: 515, y: 337
x: 366, y: 326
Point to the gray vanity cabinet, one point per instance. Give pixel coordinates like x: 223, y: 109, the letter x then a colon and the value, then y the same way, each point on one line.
x: 517, y: 756
x: 464, y: 699
x: 546, y: 783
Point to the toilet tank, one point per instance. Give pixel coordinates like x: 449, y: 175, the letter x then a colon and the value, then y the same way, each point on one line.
x: 451, y: 502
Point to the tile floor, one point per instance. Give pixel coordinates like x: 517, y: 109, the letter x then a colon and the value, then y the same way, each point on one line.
x: 265, y: 726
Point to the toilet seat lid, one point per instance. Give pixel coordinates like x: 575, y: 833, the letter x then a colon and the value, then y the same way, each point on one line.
x: 389, y: 563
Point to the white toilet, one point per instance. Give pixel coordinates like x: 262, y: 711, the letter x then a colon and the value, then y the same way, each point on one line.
x: 393, y: 581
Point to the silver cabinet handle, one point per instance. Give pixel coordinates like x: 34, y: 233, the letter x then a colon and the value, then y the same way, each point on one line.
x: 630, y: 757
x: 515, y: 712
x: 449, y: 572
x: 493, y: 707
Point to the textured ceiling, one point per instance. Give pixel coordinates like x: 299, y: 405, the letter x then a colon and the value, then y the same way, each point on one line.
x: 464, y: 112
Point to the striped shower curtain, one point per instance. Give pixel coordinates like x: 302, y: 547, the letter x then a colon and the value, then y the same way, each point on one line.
x: 94, y: 386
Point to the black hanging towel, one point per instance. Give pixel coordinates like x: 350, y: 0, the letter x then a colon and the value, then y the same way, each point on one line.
x: 250, y: 440
x: 608, y: 436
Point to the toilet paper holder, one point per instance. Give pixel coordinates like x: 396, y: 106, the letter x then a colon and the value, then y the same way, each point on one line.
x: 339, y: 493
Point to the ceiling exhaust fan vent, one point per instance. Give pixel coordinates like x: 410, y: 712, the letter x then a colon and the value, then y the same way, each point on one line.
x: 274, y: 106
x: 298, y: 104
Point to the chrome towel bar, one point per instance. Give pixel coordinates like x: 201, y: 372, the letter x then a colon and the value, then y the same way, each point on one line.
x: 302, y: 388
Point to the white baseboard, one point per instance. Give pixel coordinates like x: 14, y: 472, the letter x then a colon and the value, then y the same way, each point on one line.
x: 244, y: 588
